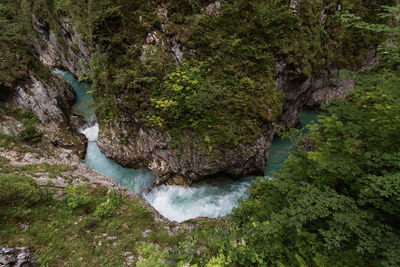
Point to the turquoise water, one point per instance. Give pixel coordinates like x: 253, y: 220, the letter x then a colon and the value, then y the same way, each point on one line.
x: 219, y: 197
x: 207, y: 199
x: 84, y: 102
x: 279, y: 150
x: 308, y: 116
x: 135, y: 180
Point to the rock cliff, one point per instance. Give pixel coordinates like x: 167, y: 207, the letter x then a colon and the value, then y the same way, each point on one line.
x: 48, y: 96
x: 130, y: 143
x: 66, y: 51
x: 300, y: 91
x: 147, y: 147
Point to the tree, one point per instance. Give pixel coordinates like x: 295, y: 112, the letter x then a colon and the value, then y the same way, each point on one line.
x: 389, y: 48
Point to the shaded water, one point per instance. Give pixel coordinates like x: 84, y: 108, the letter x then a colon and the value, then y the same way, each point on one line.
x: 207, y: 199
x: 279, y: 150
x: 83, y: 103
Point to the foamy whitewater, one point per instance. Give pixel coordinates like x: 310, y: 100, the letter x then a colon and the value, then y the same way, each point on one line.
x: 208, y: 199
x: 173, y: 202
x: 201, y: 200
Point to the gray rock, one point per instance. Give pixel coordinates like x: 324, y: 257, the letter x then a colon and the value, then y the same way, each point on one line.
x: 48, y: 100
x: 10, y: 126
x: 112, y: 238
x: 146, y: 233
x: 18, y: 257
x: 52, y: 53
x: 127, y: 254
x: 213, y: 8
x: 300, y: 91
x: 151, y: 148
x: 129, y: 261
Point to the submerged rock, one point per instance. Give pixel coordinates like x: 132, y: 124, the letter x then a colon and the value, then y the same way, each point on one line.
x: 74, y: 141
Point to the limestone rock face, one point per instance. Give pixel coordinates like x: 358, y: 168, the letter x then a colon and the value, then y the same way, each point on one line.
x: 19, y: 256
x: 49, y: 97
x: 300, y: 91
x: 213, y: 8
x: 130, y: 144
x: 67, y: 52
x: 338, y: 89
x: 49, y: 100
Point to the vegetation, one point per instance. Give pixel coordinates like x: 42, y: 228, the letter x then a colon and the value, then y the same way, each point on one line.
x: 334, y: 203
x: 28, y: 132
x: 90, y: 226
x: 228, y: 93
x: 15, y: 58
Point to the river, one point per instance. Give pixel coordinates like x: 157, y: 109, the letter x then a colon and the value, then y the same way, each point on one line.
x: 206, y: 199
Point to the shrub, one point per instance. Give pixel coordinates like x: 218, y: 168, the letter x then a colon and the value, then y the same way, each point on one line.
x: 106, y: 208
x: 77, y: 197
x: 18, y: 190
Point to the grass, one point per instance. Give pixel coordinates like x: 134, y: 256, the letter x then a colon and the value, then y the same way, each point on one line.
x: 89, y: 226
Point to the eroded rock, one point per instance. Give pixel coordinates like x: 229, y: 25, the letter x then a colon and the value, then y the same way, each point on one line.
x: 132, y: 145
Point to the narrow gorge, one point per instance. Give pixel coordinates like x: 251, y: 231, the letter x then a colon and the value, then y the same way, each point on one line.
x: 199, y: 133
x: 194, y: 178
x: 171, y: 168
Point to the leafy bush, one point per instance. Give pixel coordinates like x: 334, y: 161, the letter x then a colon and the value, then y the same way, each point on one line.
x: 338, y: 203
x: 106, y: 209
x: 150, y: 256
x: 15, y: 56
x: 77, y: 196
x: 18, y: 194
